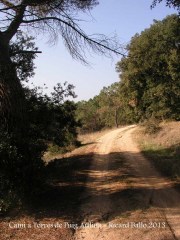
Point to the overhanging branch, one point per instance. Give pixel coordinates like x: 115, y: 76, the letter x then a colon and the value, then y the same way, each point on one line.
x: 25, y: 52
x: 78, y: 31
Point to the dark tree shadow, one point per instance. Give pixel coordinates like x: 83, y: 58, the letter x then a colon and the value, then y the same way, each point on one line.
x: 66, y: 184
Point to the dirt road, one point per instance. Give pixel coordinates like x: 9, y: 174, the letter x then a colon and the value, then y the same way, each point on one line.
x: 125, y: 197
x: 104, y: 190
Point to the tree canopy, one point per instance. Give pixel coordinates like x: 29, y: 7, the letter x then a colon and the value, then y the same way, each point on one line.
x: 150, y: 72
x: 55, y: 17
x: 149, y: 85
x: 149, y: 81
x: 22, y: 53
x: 169, y: 3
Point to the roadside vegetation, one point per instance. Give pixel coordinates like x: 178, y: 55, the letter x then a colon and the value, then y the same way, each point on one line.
x: 50, y: 124
x: 32, y: 122
x: 149, y: 82
x: 148, y: 93
x: 52, y: 127
x: 29, y: 121
x: 162, y: 147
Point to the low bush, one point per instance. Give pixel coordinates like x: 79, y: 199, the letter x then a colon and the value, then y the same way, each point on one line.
x: 166, y: 160
x: 21, y: 170
x: 152, y: 126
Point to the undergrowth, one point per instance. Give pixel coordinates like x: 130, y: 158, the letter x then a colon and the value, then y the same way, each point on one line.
x: 166, y: 160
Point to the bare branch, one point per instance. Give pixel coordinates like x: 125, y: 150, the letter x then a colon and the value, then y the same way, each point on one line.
x: 7, y: 3
x: 73, y: 39
x: 25, y: 51
x: 59, y: 18
x: 10, y: 7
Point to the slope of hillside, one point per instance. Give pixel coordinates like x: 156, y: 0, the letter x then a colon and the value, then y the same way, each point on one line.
x: 162, y: 147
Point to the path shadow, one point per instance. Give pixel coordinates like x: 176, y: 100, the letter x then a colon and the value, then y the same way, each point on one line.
x: 67, y: 183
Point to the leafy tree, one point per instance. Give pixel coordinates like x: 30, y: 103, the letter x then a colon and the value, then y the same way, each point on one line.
x: 110, y: 104
x: 21, y: 169
x: 55, y: 17
x: 169, y: 3
x: 23, y: 53
x: 150, y: 72
x: 149, y: 85
x: 88, y: 115
x: 52, y: 118
x: 105, y: 110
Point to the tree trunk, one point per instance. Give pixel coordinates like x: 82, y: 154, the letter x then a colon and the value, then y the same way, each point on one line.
x: 12, y: 97
x: 116, y: 118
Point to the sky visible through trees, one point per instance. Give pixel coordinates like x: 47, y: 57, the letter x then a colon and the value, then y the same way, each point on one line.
x: 124, y: 18
x: 31, y: 121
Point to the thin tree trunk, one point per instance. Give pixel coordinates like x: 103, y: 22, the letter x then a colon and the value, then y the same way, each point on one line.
x: 116, y: 118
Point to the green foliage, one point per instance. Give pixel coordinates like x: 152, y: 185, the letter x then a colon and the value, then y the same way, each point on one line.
x: 54, y: 149
x: 150, y: 73
x: 165, y: 159
x: 87, y: 114
x: 48, y: 119
x: 169, y: 3
x: 22, y: 53
x: 152, y: 126
x: 21, y: 167
x: 149, y: 82
x: 21, y: 170
x: 52, y: 118
x: 104, y: 110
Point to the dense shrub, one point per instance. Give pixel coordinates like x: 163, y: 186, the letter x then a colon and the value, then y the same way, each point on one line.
x: 50, y: 120
x: 21, y: 169
x: 152, y: 126
x: 166, y: 160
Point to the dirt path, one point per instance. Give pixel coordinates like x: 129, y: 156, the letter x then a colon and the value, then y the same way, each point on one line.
x: 125, y: 196
x: 106, y: 190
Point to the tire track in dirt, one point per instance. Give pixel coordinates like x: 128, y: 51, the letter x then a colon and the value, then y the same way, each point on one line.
x: 167, y: 199
x: 123, y: 188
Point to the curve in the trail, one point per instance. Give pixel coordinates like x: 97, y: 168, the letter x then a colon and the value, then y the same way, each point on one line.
x: 124, y: 190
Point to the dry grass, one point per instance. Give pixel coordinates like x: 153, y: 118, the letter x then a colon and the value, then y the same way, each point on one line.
x: 162, y: 148
x: 168, y: 136
x: 87, y: 142
x: 91, y: 137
